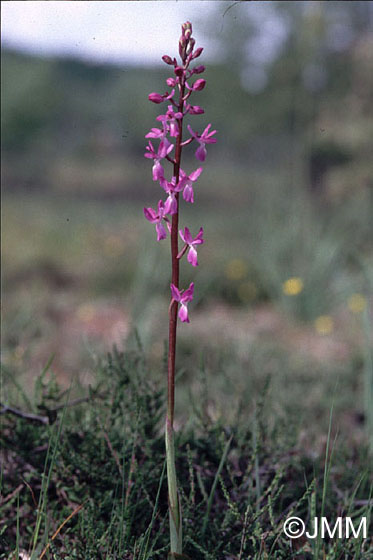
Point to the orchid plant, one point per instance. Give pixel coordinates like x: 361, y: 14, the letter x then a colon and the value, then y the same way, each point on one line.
x: 166, y: 220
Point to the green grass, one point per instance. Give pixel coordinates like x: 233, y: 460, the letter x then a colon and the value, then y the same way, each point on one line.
x: 238, y: 481
x: 255, y: 385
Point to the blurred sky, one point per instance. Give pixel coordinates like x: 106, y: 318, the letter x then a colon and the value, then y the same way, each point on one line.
x: 120, y: 31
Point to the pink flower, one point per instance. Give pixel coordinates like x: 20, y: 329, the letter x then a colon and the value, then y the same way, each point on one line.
x: 156, y: 218
x: 186, y: 183
x: 186, y: 29
x: 155, y: 97
x: 158, y: 98
x: 164, y: 149
x: 169, y: 121
x: 183, y: 298
x: 190, y: 242
x: 197, y: 53
x: 171, y: 188
x: 199, y: 85
x: 185, y: 81
x: 199, y: 69
x: 203, y: 139
x: 171, y: 82
x: 168, y: 60
x: 194, y: 110
x: 156, y: 133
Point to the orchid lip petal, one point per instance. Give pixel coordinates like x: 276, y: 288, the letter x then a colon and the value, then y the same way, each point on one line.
x: 158, y: 171
x: 173, y: 204
x: 188, y: 194
x: 192, y: 256
x: 161, y: 232
x: 183, y: 314
x: 201, y: 153
x: 167, y: 205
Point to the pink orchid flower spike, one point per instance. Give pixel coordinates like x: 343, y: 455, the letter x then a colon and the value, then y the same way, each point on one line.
x: 169, y: 133
x: 183, y: 298
x: 156, y: 218
x: 190, y: 244
x: 203, y: 139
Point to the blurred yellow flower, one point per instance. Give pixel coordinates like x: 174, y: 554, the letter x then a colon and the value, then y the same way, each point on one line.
x: 85, y: 312
x: 357, y: 303
x: 293, y: 286
x: 324, y: 324
x: 247, y: 291
x: 236, y: 269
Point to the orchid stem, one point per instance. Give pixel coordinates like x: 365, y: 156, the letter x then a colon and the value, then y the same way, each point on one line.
x: 174, y: 504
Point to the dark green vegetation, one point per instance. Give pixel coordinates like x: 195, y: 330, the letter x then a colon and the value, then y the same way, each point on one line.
x: 238, y: 483
x: 286, y: 194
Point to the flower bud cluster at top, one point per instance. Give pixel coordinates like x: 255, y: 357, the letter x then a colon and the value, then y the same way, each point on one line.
x: 171, y: 125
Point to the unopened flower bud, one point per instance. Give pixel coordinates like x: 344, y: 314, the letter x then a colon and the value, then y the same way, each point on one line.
x: 199, y: 85
x: 196, y: 110
x: 167, y: 59
x: 186, y: 27
x: 190, y: 46
x: 182, y: 46
x: 199, y: 69
x: 171, y: 82
x: 197, y: 52
x: 155, y: 97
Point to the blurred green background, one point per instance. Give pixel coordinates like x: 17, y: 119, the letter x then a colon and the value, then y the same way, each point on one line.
x: 285, y: 275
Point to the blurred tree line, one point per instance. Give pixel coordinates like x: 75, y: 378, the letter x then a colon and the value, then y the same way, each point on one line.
x: 291, y: 84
